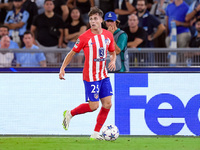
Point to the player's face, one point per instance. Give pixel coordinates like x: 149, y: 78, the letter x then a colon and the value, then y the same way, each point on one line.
x: 198, y: 26
x: 28, y: 40
x: 48, y: 6
x: 132, y: 21
x: 75, y: 14
x: 5, y: 42
x: 3, y: 31
x: 141, y: 7
x: 95, y: 21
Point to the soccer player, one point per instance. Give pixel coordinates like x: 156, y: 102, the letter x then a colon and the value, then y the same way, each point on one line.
x: 95, y: 42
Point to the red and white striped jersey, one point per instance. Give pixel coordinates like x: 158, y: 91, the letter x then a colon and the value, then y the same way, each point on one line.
x: 95, y: 48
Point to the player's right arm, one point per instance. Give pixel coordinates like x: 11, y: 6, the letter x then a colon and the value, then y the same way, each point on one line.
x: 67, y: 60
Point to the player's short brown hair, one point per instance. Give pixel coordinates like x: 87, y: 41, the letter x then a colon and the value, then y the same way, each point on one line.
x: 95, y: 10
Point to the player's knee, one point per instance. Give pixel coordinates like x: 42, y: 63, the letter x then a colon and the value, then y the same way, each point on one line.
x: 94, y: 106
x: 107, y: 105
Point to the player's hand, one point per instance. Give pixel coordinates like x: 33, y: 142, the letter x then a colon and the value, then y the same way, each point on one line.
x: 62, y: 74
x: 111, y: 66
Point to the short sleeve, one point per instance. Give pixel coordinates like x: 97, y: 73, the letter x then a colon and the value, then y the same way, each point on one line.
x: 78, y: 45
x: 35, y: 20
x: 166, y: 11
x: 25, y: 16
x: 40, y: 57
x: 142, y: 34
x: 154, y: 21
x: 61, y: 23
x: 111, y: 47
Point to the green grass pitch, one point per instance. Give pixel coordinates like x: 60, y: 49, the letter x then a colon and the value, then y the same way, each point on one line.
x: 83, y: 143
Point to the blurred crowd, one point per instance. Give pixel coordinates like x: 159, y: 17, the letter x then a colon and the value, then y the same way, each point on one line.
x: 53, y: 24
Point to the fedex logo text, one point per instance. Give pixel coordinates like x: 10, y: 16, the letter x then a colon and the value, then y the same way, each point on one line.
x: 124, y: 102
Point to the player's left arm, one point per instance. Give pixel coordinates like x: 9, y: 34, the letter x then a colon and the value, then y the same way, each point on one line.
x: 111, y: 65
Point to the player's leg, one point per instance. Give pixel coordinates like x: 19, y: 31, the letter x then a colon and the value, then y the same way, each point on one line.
x: 101, y: 118
x: 92, y: 96
x: 81, y: 109
x: 105, y: 96
x: 84, y: 108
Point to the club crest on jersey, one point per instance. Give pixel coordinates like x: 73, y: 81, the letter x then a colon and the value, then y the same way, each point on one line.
x: 96, y: 95
x: 107, y: 41
x: 101, y: 52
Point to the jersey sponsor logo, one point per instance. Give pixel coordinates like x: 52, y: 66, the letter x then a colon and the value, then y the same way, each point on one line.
x: 100, y: 59
x: 101, y: 52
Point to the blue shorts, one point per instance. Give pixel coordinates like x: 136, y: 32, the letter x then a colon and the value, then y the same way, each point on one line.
x: 97, y: 89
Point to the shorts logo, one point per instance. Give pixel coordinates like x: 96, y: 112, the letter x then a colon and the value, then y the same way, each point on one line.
x: 96, y: 95
x: 101, y: 52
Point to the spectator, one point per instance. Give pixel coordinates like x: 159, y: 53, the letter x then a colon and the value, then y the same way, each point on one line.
x: 31, y: 7
x: 5, y: 6
x: 5, y: 57
x: 194, y: 58
x: 30, y: 59
x: 149, y: 24
x: 74, y: 28
x: 137, y: 38
x: 158, y: 10
x: 176, y: 11
x: 123, y: 8
x: 106, y: 5
x: 192, y: 14
x: 83, y: 5
x: 120, y: 37
x: 16, y: 20
x: 49, y: 30
x: 61, y: 9
x: 4, y: 30
x: 40, y: 6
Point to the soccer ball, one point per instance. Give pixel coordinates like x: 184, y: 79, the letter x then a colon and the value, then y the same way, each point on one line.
x: 110, y: 132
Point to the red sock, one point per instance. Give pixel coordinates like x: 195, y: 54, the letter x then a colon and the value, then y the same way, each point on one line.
x: 81, y: 109
x: 101, y: 118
